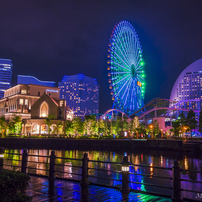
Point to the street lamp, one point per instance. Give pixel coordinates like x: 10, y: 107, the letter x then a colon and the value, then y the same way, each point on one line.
x: 125, y: 164
x: 151, y: 127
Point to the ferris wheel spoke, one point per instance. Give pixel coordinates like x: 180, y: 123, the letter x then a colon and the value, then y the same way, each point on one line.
x: 120, y: 59
x: 121, y: 88
x: 124, y: 57
x: 124, y: 78
x: 125, y: 90
x: 119, y: 73
x: 121, y: 66
x: 127, y: 94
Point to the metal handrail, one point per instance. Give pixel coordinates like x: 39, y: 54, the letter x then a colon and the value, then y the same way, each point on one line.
x: 153, y: 185
x: 36, y: 162
x: 191, y: 171
x: 68, y: 173
x: 109, y: 162
x: 114, y: 171
x: 38, y: 156
x: 69, y: 158
x: 148, y: 166
x: 148, y: 175
x: 190, y: 190
x: 193, y: 181
x: 104, y: 178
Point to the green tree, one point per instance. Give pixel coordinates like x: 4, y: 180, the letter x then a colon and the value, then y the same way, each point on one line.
x: 200, y: 122
x: 68, y: 127
x: 156, y: 128
x: 141, y: 129
x: 134, y: 125
x: 78, y: 126
x: 48, y: 121
x: 15, y: 124
x: 89, y: 124
x: 191, y: 121
x: 58, y: 128
x: 176, y: 128
x: 3, y: 125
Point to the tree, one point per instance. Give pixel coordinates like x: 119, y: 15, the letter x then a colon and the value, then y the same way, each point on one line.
x: 134, y: 125
x: 58, y: 127
x: 78, y: 126
x: 89, y: 123
x: 176, y: 127
x: 191, y: 121
x: 3, y: 125
x: 68, y: 127
x: 200, y: 122
x: 48, y: 121
x: 15, y: 124
x: 156, y: 128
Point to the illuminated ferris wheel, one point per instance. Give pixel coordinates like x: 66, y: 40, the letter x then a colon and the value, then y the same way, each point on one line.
x: 126, y: 69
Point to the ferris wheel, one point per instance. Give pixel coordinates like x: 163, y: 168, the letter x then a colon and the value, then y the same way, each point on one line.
x: 126, y: 69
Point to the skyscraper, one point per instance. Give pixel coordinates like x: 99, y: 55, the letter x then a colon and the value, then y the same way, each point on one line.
x: 81, y: 94
x: 5, y: 75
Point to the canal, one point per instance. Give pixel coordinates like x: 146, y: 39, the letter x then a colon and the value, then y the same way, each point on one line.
x: 64, y: 168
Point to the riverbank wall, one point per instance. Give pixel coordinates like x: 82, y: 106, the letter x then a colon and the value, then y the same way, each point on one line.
x: 102, y: 144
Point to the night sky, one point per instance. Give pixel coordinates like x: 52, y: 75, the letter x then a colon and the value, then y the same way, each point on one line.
x: 50, y: 39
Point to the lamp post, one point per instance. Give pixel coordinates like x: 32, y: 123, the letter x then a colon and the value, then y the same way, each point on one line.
x: 1, y: 158
x: 151, y: 127
x: 125, y: 175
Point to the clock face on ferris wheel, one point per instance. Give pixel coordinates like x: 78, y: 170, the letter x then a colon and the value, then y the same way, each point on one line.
x: 126, y: 69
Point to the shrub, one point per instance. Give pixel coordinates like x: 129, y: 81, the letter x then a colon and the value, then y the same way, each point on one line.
x: 13, y: 186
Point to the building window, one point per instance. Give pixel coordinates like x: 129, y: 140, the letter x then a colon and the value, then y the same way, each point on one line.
x: 23, y: 91
x: 44, y: 109
x: 21, y: 101
x: 61, y: 103
x: 38, y: 93
x: 26, y: 101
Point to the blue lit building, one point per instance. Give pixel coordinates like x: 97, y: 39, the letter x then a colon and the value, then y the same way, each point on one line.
x: 81, y: 94
x: 5, y: 75
x: 24, y: 79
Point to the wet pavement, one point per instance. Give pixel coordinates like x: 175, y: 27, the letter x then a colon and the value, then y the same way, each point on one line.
x: 71, y: 191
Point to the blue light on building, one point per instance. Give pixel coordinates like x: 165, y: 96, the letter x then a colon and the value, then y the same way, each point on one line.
x: 81, y: 94
x: 24, y: 79
x: 5, y: 75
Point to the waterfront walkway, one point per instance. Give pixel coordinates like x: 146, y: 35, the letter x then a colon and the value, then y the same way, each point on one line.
x: 71, y: 191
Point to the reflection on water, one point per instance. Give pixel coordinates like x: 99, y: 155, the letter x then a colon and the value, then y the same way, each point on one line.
x: 39, y: 164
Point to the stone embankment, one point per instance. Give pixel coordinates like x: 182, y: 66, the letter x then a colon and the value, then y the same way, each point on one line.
x: 103, y: 144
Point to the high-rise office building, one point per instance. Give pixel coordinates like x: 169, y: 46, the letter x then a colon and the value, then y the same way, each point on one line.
x: 81, y: 94
x: 5, y: 75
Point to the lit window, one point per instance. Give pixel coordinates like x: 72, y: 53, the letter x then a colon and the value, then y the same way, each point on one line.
x: 26, y: 101
x: 23, y: 91
x: 21, y: 101
x: 44, y: 109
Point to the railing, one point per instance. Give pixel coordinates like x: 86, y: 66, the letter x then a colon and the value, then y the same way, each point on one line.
x: 125, y: 182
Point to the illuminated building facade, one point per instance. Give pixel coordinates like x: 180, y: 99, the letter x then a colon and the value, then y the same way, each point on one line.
x: 81, y: 94
x: 20, y: 98
x: 5, y: 75
x: 188, y: 87
x: 24, y: 79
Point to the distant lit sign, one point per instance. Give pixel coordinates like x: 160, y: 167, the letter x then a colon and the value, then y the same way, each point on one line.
x: 139, y: 83
x: 54, y: 91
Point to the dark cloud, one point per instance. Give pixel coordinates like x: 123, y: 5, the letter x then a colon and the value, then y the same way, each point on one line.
x: 49, y: 39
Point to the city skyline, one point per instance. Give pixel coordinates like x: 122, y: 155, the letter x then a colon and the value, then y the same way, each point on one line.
x: 49, y: 40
